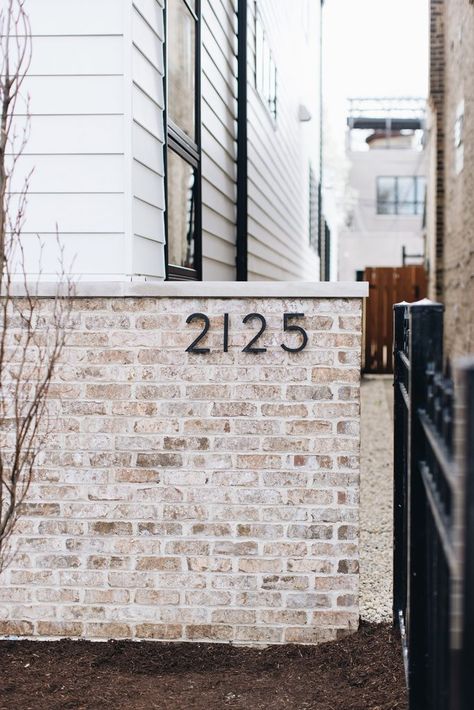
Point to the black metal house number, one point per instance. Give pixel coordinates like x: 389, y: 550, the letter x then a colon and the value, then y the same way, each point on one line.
x: 288, y: 327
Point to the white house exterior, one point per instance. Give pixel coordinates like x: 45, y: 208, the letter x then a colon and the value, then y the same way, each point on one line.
x: 101, y: 137
x: 387, y: 186
x: 201, y: 480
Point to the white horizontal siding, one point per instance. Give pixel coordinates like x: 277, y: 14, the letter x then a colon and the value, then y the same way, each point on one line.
x: 78, y: 95
x: 147, y: 149
x: 91, y: 55
x: 279, y: 153
x: 147, y: 251
x: 53, y: 173
x: 76, y: 17
x: 76, y: 148
x: 148, y: 181
x: 99, y: 256
x: 76, y: 135
x: 148, y: 221
x: 85, y: 212
x: 218, y: 139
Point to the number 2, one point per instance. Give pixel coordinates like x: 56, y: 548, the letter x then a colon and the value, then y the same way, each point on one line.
x: 249, y: 348
x: 192, y: 348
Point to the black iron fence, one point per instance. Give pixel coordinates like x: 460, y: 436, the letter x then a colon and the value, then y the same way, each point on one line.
x: 433, y: 512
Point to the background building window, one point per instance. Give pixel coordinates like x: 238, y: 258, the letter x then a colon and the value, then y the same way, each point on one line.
x: 265, y: 68
x: 401, y: 195
x: 183, y: 158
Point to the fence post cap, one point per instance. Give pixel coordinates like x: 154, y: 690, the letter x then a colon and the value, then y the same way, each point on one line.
x: 466, y: 362
x: 425, y: 302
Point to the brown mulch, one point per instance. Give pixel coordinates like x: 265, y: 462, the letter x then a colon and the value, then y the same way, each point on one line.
x: 360, y: 672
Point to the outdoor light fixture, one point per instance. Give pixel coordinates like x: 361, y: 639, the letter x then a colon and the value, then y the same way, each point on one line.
x: 304, y: 114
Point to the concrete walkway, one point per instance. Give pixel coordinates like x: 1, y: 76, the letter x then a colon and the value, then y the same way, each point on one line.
x: 376, y: 498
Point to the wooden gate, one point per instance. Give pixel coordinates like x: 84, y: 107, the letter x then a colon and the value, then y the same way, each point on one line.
x: 387, y: 285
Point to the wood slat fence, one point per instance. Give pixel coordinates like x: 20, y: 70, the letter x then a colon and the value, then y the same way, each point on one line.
x: 387, y: 285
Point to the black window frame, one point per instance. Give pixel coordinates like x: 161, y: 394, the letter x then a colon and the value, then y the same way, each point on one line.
x: 418, y: 203
x: 190, y: 151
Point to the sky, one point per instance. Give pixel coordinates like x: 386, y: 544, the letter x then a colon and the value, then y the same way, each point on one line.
x: 374, y: 48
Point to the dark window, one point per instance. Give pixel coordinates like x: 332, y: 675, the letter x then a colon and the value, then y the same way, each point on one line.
x: 183, y: 153
x: 401, y: 195
x: 265, y: 68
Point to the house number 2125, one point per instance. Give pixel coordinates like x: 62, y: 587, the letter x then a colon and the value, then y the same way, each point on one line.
x: 288, y: 326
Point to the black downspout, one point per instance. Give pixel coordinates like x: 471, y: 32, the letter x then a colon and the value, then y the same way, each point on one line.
x: 242, y: 188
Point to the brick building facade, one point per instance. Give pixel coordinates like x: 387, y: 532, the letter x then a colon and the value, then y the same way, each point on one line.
x: 450, y: 208
x: 197, y: 496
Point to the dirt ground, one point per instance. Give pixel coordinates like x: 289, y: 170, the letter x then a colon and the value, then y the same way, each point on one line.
x: 359, y: 672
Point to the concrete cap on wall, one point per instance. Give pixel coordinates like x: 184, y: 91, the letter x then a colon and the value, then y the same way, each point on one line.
x: 202, y: 289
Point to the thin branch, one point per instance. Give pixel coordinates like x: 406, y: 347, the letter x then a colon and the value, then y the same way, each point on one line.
x: 32, y: 333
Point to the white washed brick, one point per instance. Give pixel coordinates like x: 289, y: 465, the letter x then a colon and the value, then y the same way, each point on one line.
x: 195, y: 497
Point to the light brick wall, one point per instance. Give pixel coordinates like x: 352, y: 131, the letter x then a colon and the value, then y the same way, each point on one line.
x: 451, y: 234
x: 458, y: 270
x: 195, y: 497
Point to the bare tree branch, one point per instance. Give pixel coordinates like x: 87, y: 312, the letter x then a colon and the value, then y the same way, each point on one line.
x: 32, y: 330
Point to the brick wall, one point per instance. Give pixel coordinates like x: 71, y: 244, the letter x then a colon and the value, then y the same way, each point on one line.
x: 451, y: 82
x: 436, y: 148
x: 195, y: 497
x: 458, y: 272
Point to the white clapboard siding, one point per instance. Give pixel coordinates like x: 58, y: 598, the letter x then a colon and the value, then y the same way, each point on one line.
x: 148, y: 181
x: 86, y: 55
x: 148, y: 185
x: 76, y: 135
x: 147, y: 149
x: 148, y: 221
x: 76, y: 17
x: 147, y: 250
x: 78, y: 95
x: 219, y: 138
x: 79, y: 173
x: 74, y: 212
x: 148, y: 114
x: 76, y: 153
x: 96, y: 87
x: 279, y: 152
x: 96, y: 256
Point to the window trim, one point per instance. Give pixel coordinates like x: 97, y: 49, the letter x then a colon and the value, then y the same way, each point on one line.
x: 190, y: 151
x: 397, y: 203
x: 270, y: 102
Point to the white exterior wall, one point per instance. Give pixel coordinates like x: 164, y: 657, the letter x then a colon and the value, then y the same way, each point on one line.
x: 78, y: 145
x: 96, y: 145
x: 97, y: 135
x: 219, y: 138
x: 377, y: 240
x: 280, y: 153
x: 148, y: 176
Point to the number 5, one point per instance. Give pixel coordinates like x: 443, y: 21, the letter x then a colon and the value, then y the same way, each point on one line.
x: 288, y: 328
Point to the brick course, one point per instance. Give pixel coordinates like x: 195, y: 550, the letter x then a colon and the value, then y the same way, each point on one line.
x: 451, y: 237
x: 195, y: 497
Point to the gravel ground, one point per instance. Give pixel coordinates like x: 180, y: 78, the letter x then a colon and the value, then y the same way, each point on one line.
x: 376, y: 498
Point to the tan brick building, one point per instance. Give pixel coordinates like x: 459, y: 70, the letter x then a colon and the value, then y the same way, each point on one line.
x: 197, y: 495
x: 450, y: 209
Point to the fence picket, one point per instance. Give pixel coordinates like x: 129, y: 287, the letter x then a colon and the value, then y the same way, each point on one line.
x: 433, y: 512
